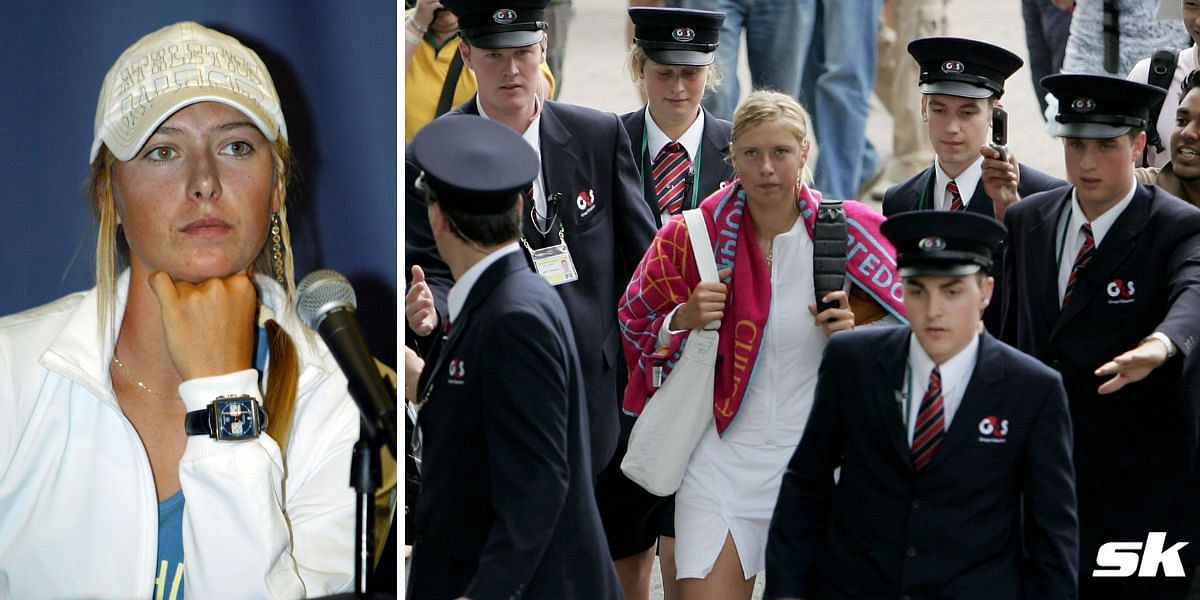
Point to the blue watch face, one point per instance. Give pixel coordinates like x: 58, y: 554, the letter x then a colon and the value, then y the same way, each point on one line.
x: 235, y: 419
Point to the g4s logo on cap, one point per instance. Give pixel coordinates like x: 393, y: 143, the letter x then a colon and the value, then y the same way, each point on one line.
x: 952, y: 66
x: 683, y: 34
x: 504, y: 16
x: 1083, y: 105
x: 932, y: 243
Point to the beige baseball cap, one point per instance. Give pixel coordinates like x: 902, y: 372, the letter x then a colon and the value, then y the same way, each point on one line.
x: 174, y: 67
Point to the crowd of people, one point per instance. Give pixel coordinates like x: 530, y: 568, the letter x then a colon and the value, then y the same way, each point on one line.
x: 999, y: 399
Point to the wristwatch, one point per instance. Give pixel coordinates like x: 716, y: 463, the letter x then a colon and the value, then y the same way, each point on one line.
x: 228, y: 419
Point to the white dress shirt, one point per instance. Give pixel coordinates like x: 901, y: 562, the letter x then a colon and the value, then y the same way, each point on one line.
x: 956, y: 374
x: 1070, y: 239
x: 967, y: 181
x: 462, y: 286
x: 532, y: 135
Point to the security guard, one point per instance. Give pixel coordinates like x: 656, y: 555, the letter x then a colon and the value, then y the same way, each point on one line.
x: 960, y: 82
x: 584, y: 205
x: 507, y: 507
x: 682, y: 153
x: 954, y: 448
x: 682, y: 149
x: 1104, y: 286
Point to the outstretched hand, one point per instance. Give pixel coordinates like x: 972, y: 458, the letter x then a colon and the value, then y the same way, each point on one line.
x: 1132, y: 366
x: 209, y: 326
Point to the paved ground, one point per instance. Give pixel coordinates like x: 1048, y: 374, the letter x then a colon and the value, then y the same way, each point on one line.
x: 596, y: 75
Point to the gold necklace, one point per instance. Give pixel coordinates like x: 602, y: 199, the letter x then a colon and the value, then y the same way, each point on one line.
x: 138, y: 382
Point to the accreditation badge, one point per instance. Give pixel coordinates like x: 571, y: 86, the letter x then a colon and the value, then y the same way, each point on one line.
x: 553, y: 263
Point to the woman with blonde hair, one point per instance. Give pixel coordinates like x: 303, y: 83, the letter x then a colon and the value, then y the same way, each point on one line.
x: 178, y: 414
x: 771, y: 337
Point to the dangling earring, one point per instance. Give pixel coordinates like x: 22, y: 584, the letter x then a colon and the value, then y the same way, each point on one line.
x: 277, y: 248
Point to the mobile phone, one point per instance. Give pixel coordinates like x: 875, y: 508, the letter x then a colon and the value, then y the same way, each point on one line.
x: 1000, y: 131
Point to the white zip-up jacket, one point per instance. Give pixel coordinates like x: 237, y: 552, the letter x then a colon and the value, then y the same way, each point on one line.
x: 78, y: 507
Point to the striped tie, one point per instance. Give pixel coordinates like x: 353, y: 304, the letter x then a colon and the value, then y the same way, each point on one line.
x: 931, y: 423
x: 956, y: 203
x: 669, y: 168
x: 1081, y: 261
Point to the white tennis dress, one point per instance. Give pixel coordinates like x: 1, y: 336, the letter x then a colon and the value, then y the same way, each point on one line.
x: 731, y: 483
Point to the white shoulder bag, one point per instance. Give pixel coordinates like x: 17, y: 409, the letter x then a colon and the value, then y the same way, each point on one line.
x: 677, y: 415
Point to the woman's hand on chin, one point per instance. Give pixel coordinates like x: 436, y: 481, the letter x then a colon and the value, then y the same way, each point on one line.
x: 209, y: 326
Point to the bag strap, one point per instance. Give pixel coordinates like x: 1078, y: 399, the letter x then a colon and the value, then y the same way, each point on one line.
x: 698, y: 232
x: 447, y: 97
x: 1162, y: 71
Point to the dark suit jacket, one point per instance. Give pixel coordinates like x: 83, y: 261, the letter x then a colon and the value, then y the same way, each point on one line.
x: 917, y: 194
x: 507, y: 506
x: 715, y: 168
x: 582, y: 150
x: 1134, y: 449
x: 959, y: 527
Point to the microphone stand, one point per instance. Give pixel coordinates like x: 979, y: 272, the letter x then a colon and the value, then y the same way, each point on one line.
x: 365, y: 478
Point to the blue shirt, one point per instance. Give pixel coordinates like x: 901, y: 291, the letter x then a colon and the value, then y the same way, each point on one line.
x: 168, y: 577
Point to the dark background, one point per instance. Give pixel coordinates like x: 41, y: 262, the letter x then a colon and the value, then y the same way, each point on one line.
x: 334, y: 65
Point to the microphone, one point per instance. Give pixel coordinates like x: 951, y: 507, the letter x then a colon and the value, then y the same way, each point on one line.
x: 326, y: 303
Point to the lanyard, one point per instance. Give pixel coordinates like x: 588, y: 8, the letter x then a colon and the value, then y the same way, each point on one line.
x: 927, y: 191
x: 1063, y: 244
x: 907, y: 394
x: 690, y: 182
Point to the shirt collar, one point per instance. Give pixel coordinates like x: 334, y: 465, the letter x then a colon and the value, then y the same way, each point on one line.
x: 1101, y: 224
x: 462, y: 287
x: 531, y: 134
x: 690, y: 140
x: 967, y: 181
x: 954, y: 371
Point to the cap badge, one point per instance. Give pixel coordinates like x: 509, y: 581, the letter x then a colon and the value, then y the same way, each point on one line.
x: 504, y: 16
x: 1083, y: 105
x: 683, y: 34
x: 932, y: 243
x: 952, y: 66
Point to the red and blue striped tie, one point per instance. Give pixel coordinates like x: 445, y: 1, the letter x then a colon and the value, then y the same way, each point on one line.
x: 669, y: 169
x: 931, y: 423
x: 956, y: 203
x: 1082, y: 259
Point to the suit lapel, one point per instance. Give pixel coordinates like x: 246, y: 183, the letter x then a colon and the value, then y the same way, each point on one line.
x: 981, y: 202
x: 1040, y: 265
x: 889, y: 389
x: 920, y: 196
x: 978, y: 401
x: 559, y: 160
x: 637, y: 137
x: 1117, y: 245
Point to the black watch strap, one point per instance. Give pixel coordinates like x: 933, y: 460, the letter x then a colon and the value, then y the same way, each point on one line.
x: 198, y: 422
